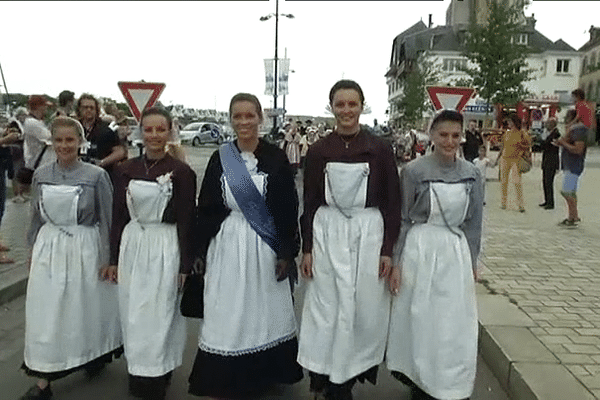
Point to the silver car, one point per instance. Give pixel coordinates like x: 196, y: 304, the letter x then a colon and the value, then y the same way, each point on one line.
x: 198, y: 133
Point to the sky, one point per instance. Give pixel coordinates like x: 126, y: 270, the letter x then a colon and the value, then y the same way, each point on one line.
x: 206, y: 51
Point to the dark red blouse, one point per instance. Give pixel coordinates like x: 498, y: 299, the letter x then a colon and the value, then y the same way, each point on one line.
x: 383, y: 190
x: 180, y: 209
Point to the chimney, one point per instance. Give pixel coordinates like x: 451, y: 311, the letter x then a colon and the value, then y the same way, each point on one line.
x: 430, y: 20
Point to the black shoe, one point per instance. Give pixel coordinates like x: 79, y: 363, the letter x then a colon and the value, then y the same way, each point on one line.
x: 94, y: 369
x: 544, y: 204
x: 549, y: 207
x: 35, y: 393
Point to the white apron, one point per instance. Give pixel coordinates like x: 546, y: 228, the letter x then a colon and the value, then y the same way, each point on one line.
x: 346, y: 305
x: 71, y: 316
x: 433, y: 327
x: 149, y: 261
x: 245, y: 309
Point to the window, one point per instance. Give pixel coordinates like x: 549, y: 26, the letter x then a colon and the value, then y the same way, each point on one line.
x: 454, y: 64
x: 584, y: 65
x: 562, y: 66
x: 520, y: 38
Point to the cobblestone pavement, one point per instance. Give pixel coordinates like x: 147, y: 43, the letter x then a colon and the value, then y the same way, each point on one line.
x: 550, y: 272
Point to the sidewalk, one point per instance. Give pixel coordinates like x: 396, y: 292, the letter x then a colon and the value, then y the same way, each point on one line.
x: 539, y: 300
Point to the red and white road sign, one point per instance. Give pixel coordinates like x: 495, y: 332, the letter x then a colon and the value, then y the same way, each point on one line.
x: 449, y: 98
x: 140, y: 95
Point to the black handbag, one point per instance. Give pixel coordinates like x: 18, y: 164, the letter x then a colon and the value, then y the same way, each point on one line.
x: 192, y: 300
x: 25, y: 175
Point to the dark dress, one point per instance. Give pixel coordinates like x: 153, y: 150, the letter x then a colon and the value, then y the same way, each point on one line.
x: 248, y: 338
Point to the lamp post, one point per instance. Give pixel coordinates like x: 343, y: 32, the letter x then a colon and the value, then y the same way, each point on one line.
x: 276, y: 75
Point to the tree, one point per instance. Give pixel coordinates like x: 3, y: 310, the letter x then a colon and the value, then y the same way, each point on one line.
x: 500, y: 67
x: 415, y: 101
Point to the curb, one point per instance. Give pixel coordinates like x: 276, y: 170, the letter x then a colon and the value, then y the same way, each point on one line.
x: 523, y: 365
x: 13, y: 289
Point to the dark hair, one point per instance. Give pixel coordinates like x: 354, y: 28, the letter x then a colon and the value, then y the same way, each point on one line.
x: 65, y: 97
x: 246, y: 97
x: 515, y: 119
x: 87, y: 96
x: 571, y: 115
x: 578, y: 93
x: 446, y: 116
x: 346, y: 84
x: 157, y: 111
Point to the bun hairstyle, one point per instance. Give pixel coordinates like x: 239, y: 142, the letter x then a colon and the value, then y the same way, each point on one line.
x: 347, y: 84
x: 68, y: 122
x: 446, y: 116
x: 157, y: 111
x: 249, y: 98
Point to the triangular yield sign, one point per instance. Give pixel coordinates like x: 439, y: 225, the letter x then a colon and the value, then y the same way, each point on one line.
x: 140, y: 95
x: 449, y: 98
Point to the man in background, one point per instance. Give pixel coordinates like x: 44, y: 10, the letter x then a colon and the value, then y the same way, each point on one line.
x: 105, y: 148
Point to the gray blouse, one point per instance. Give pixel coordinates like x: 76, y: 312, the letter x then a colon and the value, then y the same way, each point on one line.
x: 414, y: 180
x: 95, y: 201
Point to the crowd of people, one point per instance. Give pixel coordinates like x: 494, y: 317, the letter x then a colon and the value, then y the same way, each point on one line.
x: 113, y: 240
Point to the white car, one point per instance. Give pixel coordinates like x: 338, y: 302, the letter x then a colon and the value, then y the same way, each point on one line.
x: 198, y: 133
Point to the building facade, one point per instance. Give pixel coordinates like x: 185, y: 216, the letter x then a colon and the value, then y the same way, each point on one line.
x: 589, y: 79
x: 555, y: 66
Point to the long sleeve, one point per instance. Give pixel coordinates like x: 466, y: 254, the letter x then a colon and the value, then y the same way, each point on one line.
x: 36, y: 218
x: 104, y: 199
x: 313, y: 195
x: 184, y: 194
x: 390, y: 207
x: 120, y: 215
x: 473, y: 221
x: 211, y: 210
x: 407, y: 201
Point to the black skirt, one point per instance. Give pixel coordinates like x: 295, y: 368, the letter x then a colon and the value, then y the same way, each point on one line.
x: 245, y: 375
x: 94, y: 364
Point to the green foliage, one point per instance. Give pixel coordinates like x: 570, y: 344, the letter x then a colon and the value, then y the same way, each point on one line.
x: 501, y: 69
x: 415, y: 101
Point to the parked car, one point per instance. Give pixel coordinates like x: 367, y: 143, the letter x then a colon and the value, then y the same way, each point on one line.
x: 198, y: 133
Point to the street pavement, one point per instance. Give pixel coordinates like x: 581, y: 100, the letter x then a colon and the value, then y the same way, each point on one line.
x: 539, y: 301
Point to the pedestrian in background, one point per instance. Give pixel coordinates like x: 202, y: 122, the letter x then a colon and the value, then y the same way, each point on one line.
x: 248, y: 239
x: 550, y: 163
x: 515, y: 145
x: 12, y: 133
x: 36, y: 140
x: 18, y: 160
x: 350, y: 223
x: 573, y: 158
x: 105, y: 148
x: 482, y: 163
x: 71, y: 316
x: 66, y: 103
x: 432, y: 343
x: 585, y: 113
x: 292, y: 145
x: 473, y: 140
x: 151, y: 256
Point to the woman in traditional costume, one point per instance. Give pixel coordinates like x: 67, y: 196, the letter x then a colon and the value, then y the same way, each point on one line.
x: 154, y: 205
x: 71, y: 315
x: 432, y: 343
x: 350, y: 224
x: 247, y: 209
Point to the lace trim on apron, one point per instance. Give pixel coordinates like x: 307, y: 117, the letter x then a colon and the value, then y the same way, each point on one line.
x: 257, y: 349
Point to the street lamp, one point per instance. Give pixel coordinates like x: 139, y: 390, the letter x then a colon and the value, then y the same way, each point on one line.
x: 276, y: 76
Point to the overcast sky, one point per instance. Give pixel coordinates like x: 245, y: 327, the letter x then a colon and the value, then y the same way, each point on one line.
x: 206, y: 51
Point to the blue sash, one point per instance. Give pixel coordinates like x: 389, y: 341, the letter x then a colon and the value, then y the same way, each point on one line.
x: 247, y: 195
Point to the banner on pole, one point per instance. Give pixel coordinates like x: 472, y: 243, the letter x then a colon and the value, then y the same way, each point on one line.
x: 284, y: 73
x: 269, y: 77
